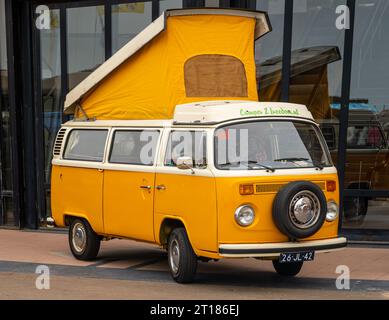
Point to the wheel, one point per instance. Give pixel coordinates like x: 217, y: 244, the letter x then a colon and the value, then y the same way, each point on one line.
x: 83, y: 241
x: 181, y: 257
x: 299, y: 209
x: 287, y: 269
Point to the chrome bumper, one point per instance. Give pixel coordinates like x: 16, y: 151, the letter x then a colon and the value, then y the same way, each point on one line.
x: 269, y: 250
x: 50, y: 223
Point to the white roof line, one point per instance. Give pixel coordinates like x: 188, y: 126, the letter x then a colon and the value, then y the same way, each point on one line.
x: 145, y: 36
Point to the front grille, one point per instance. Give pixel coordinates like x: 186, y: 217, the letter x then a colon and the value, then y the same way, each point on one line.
x: 275, y: 187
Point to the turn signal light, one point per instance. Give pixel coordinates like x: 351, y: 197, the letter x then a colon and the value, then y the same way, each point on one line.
x: 246, y: 189
x: 331, y: 186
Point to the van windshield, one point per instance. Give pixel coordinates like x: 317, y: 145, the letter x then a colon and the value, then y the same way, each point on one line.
x: 270, y: 145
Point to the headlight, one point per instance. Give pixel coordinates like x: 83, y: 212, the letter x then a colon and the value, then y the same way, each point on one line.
x: 332, y: 211
x: 244, y: 215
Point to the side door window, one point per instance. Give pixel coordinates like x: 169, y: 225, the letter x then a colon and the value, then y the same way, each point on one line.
x: 137, y: 147
x: 191, y: 144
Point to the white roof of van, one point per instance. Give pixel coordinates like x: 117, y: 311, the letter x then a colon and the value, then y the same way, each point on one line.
x: 210, y: 113
x: 150, y: 32
x: 220, y: 111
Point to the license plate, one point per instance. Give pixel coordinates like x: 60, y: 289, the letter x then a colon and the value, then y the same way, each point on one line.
x: 290, y: 257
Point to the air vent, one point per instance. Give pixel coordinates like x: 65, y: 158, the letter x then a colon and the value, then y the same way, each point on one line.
x: 58, y: 142
x: 274, y: 188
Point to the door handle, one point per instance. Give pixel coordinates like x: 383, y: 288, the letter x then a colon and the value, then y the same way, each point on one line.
x: 146, y: 187
x: 100, y: 170
x: 160, y: 187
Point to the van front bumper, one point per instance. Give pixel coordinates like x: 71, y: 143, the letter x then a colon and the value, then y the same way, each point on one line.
x: 273, y: 250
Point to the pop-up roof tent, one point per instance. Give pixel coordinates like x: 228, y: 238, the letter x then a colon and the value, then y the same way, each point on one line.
x: 185, y: 55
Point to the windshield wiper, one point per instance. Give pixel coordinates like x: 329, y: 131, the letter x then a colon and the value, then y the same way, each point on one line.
x: 247, y: 164
x: 262, y: 165
x: 291, y: 159
x: 317, y: 165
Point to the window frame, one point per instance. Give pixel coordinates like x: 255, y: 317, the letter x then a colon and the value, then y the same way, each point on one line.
x: 68, y: 134
x: 112, y: 139
x: 166, y: 144
x: 317, y: 129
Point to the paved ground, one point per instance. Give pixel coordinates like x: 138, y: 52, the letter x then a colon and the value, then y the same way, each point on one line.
x: 131, y: 270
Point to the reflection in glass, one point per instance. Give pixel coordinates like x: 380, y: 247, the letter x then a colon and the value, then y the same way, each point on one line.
x: 128, y: 20
x: 5, y: 133
x: 367, y: 162
x: 50, y: 55
x: 8, y: 211
x: 317, y: 44
x: 316, y: 64
x: 169, y: 4
x: 85, y: 32
x: 268, y: 51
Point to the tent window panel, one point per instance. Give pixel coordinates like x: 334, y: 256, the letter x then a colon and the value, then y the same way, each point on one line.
x: 214, y: 75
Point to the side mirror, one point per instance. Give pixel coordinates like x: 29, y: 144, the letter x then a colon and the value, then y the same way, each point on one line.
x: 185, y: 163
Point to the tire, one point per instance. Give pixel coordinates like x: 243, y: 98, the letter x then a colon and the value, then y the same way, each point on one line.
x: 287, y: 221
x: 181, y: 257
x: 287, y: 269
x: 86, y: 245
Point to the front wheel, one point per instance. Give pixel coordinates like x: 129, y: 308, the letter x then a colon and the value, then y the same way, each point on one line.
x: 287, y: 269
x: 181, y: 257
x: 83, y: 241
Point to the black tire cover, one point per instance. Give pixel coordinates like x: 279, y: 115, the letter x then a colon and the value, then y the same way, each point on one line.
x: 281, y: 209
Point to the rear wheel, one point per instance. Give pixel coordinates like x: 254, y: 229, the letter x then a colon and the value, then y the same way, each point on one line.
x: 83, y: 241
x: 181, y: 257
x: 287, y: 269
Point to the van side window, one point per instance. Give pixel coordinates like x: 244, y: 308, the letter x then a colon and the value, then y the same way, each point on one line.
x: 187, y: 144
x: 364, y: 137
x: 136, y: 147
x: 86, y: 145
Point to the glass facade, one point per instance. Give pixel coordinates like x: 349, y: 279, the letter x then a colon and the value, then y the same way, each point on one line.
x: 85, y: 41
x: 317, y: 47
x: 268, y: 52
x: 128, y: 20
x: 169, y: 4
x: 82, y: 36
x: 316, y: 64
x: 6, y: 213
x: 50, y: 65
x: 367, y: 161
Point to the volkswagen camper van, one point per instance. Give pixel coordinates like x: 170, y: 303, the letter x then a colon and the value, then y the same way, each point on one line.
x: 222, y: 179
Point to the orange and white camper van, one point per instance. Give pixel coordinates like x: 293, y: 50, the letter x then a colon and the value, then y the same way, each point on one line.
x: 170, y: 146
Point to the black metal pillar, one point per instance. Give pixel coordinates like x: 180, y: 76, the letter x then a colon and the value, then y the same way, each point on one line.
x: 26, y: 22
x: 108, y: 30
x: 287, y: 50
x: 14, y: 109
x: 345, y: 99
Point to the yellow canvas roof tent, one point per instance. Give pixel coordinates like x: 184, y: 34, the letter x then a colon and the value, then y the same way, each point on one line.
x: 186, y: 55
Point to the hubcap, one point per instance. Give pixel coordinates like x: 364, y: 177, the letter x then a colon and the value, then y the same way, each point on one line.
x: 79, y: 237
x: 304, y: 209
x: 174, y: 256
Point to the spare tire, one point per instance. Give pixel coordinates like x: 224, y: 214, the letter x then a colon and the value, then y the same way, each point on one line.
x: 299, y: 209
